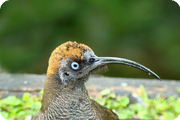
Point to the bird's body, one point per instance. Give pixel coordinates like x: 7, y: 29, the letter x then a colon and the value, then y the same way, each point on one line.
x: 65, y: 95
x: 74, y: 104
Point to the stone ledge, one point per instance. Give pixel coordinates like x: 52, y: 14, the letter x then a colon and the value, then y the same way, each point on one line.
x: 17, y: 84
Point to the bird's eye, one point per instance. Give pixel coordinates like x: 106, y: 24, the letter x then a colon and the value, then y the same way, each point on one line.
x: 74, y: 65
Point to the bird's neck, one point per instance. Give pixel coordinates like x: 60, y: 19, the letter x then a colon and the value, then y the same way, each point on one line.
x: 53, y: 88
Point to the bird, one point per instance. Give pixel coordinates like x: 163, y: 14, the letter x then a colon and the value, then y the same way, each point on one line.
x: 65, y: 95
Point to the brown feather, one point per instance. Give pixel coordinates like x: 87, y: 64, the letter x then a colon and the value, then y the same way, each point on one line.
x: 64, y: 51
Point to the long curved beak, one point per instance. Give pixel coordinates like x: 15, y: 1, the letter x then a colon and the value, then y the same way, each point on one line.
x: 100, y: 61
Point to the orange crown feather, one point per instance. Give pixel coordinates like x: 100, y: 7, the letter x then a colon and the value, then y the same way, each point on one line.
x: 64, y: 51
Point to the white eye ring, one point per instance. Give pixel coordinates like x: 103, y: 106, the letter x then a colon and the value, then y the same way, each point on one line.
x: 74, y: 65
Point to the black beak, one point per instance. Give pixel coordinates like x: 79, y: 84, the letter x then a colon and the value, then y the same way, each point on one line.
x: 100, y: 61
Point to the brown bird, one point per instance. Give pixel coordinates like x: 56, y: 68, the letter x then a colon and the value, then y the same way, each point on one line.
x: 65, y: 95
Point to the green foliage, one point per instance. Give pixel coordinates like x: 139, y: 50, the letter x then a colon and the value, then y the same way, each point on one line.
x: 13, y: 108
x: 158, y: 108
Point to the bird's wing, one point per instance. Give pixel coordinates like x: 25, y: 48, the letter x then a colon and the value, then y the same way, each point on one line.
x: 103, y: 113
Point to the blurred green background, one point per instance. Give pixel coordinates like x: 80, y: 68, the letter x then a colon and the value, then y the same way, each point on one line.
x: 145, y: 31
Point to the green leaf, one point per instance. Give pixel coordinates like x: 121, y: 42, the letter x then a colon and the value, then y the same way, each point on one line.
x: 36, y: 105
x: 124, y: 101
x: 125, y: 114
x: 41, y: 92
x: 105, y: 92
x: 168, y: 115
x: 4, y: 114
x: 143, y: 93
x: 22, y: 113
x: 112, y: 95
x: 12, y: 100
x: 26, y: 96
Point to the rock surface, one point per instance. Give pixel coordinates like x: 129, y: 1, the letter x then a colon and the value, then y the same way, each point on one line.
x: 17, y: 84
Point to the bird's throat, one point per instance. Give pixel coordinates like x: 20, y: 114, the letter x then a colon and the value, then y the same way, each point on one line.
x: 54, y: 88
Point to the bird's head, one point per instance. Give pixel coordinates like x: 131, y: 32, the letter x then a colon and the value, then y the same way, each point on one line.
x: 73, y: 62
